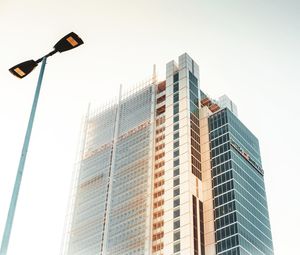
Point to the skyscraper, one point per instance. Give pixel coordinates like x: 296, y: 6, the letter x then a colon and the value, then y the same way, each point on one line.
x: 167, y: 170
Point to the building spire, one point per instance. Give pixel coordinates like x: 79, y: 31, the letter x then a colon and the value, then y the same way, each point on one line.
x: 154, y: 76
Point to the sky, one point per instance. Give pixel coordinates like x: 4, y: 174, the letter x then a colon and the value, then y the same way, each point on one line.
x: 246, y: 49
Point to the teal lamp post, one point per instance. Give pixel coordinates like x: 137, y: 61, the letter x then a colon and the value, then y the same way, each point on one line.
x: 68, y: 42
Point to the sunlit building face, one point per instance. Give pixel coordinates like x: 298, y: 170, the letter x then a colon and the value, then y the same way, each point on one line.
x: 167, y: 170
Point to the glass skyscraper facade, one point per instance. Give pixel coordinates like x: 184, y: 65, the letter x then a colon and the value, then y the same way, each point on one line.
x: 111, y: 197
x: 167, y: 170
x: 240, y: 206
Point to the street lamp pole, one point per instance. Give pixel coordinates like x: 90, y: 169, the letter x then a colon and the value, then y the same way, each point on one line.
x: 14, y: 198
x: 70, y: 41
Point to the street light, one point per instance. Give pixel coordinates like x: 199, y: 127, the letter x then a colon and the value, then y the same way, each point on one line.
x: 68, y: 42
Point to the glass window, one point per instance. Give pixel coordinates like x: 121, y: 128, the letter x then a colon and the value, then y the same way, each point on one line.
x: 194, y: 109
x: 176, y: 192
x: 161, y: 99
x: 175, y: 77
x: 176, y: 87
x: 176, y: 224
x: 176, y: 135
x: 193, y: 88
x: 176, y: 172
x: 176, y: 182
x: 177, y: 247
x: 176, y: 126
x: 176, y: 213
x: 175, y: 109
x: 176, y: 202
x: 194, y: 98
x: 176, y: 162
x: 193, y: 78
x: 176, y: 118
x: 176, y: 97
x: 176, y: 144
x: 176, y: 153
x: 176, y: 235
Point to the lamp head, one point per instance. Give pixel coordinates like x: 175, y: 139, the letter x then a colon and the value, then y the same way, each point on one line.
x: 68, y: 42
x: 23, y: 69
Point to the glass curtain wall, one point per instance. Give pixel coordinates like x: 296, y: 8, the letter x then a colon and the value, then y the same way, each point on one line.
x: 241, y: 213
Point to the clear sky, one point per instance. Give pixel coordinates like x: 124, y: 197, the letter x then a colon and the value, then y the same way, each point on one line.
x: 247, y: 49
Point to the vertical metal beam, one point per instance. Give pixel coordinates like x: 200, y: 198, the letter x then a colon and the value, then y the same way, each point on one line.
x: 111, y: 175
x: 152, y: 160
x: 14, y: 198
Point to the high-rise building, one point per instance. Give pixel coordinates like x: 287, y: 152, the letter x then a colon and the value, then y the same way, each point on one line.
x: 168, y: 170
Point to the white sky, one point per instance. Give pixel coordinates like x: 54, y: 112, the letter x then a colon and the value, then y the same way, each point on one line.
x: 248, y: 50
